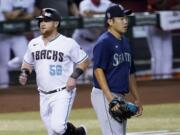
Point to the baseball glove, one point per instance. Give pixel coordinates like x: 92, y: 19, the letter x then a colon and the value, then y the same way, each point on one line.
x: 125, y: 111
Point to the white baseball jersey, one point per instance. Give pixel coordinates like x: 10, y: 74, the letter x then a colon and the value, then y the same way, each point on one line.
x: 10, y: 5
x: 16, y: 42
x: 53, y: 63
x: 87, y: 5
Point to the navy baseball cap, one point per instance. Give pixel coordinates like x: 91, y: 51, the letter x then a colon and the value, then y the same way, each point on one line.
x: 116, y: 11
x: 49, y: 14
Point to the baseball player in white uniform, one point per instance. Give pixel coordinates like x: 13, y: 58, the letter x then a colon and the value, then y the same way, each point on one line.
x: 160, y: 46
x: 87, y: 37
x: 3, y: 68
x: 53, y: 56
x: 160, y: 42
x: 13, y: 10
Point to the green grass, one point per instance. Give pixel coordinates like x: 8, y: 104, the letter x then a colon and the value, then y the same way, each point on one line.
x: 155, y: 117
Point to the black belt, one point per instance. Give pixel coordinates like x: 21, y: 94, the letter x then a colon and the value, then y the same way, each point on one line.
x: 52, y: 91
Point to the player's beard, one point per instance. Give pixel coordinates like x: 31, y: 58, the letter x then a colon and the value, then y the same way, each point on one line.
x: 46, y: 32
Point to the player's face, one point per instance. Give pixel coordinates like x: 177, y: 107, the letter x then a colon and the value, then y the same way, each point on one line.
x: 120, y: 24
x: 47, y: 26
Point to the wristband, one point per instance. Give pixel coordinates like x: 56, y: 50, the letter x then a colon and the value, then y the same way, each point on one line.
x: 77, y: 72
x: 25, y: 71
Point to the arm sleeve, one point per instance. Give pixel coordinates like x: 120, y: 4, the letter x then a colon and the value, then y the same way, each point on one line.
x: 77, y: 55
x: 28, y: 57
x: 101, y: 56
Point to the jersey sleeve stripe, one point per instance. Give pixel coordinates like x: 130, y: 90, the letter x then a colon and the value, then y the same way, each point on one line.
x: 86, y: 56
x: 28, y: 62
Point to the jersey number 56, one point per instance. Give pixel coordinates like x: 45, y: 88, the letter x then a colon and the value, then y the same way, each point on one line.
x: 55, y: 70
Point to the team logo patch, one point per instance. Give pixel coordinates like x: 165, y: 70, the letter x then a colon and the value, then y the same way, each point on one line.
x: 122, y: 8
x: 108, y: 15
x: 47, y: 14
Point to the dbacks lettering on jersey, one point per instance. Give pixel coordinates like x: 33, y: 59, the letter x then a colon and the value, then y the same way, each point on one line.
x: 120, y: 58
x: 48, y: 54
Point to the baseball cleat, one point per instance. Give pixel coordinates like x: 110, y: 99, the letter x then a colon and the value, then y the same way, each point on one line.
x: 82, y: 130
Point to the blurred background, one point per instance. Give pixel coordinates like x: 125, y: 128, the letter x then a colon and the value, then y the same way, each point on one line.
x: 154, y: 31
x: 154, y: 35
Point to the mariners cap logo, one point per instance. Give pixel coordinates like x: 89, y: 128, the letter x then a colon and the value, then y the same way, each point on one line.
x: 122, y: 8
x: 108, y: 15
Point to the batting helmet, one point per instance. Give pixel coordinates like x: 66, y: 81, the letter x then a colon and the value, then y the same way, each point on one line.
x: 49, y: 14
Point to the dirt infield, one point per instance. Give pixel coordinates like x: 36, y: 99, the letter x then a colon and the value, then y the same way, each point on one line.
x: 17, y: 99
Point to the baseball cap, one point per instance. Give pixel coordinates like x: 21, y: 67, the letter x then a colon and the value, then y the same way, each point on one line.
x: 116, y: 11
x: 49, y: 14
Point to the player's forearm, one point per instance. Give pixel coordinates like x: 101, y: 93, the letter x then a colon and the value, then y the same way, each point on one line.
x: 133, y: 87
x: 27, y: 66
x: 135, y: 94
x: 84, y: 65
x: 99, y: 74
x: 80, y: 68
x: 26, y: 16
x: 26, y: 70
x: 74, y: 10
x: 91, y: 13
x: 12, y: 15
